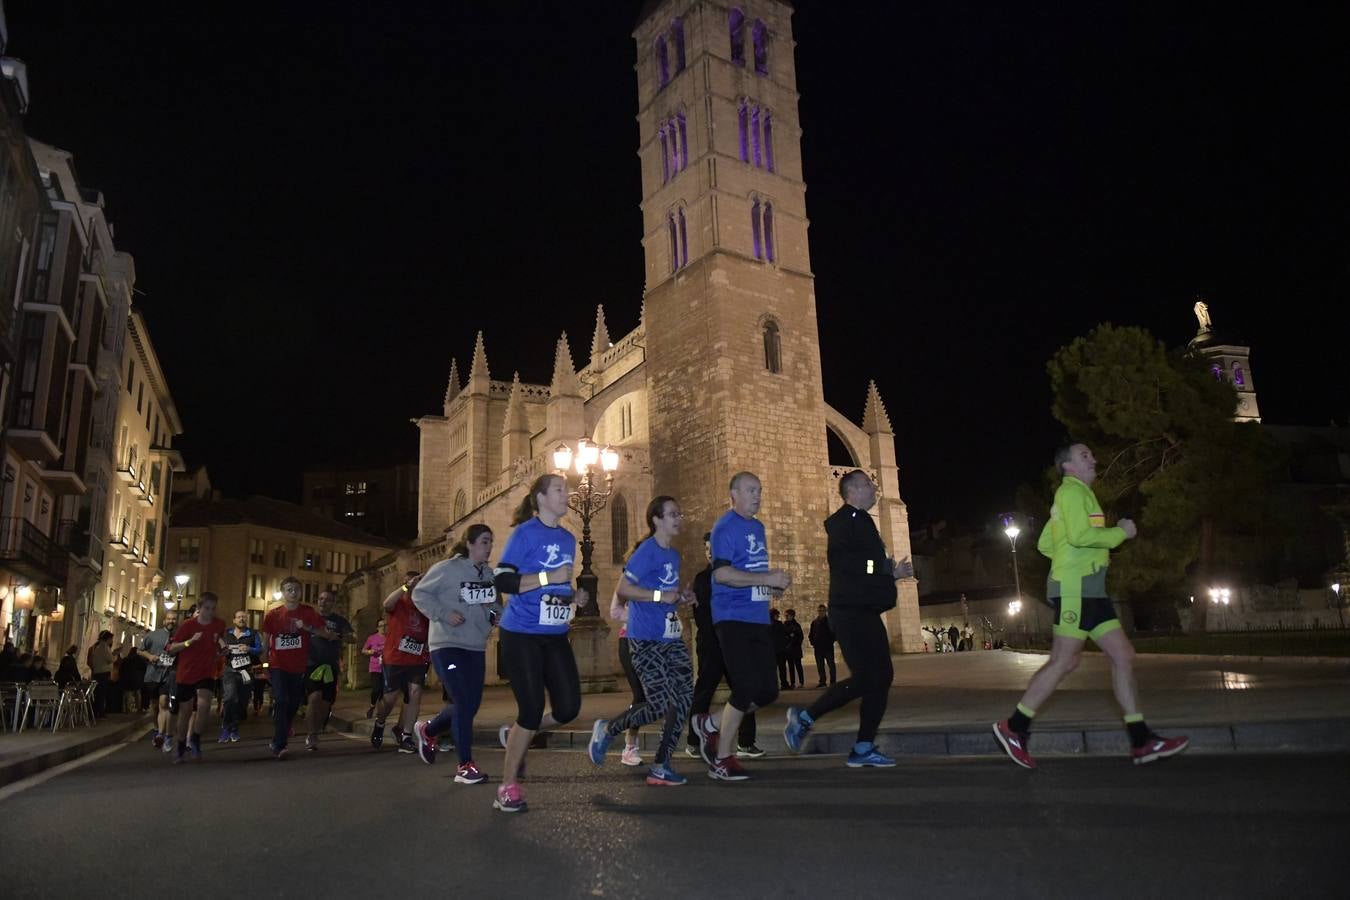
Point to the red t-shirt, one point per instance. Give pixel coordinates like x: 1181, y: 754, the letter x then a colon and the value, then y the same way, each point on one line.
x: 288, y: 646
x: 405, y: 636
x: 198, y: 662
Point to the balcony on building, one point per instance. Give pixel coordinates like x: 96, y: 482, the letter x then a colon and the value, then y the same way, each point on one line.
x: 75, y: 538
x: 173, y: 457
x: 29, y: 553
x: 128, y: 471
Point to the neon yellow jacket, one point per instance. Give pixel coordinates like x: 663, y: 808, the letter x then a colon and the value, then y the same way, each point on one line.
x: 1076, y: 538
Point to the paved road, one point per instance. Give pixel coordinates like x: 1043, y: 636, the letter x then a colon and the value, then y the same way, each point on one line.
x: 348, y: 821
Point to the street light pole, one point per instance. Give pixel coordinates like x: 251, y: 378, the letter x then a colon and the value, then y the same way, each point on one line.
x: 1012, y: 531
x: 587, y: 500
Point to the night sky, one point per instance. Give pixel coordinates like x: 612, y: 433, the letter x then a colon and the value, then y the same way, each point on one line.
x: 326, y: 203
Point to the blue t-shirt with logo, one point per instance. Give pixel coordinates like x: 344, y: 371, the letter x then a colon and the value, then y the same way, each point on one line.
x: 654, y: 568
x: 740, y: 542
x: 536, y: 547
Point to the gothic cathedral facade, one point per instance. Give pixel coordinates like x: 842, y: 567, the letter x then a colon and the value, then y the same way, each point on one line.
x: 723, y: 372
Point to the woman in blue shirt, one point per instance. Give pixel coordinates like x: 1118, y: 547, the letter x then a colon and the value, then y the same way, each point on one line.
x: 536, y: 570
x: 651, y: 588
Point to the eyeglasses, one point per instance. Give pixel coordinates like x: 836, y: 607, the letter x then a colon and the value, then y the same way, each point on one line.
x: 674, y: 515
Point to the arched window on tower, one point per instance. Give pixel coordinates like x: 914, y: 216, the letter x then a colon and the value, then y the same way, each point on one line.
x: 662, y: 63
x: 768, y: 140
x: 1239, y: 378
x: 677, y: 37
x: 768, y: 232
x: 684, y: 241
x: 743, y: 117
x: 773, y: 347
x: 618, y: 528
x: 665, y: 155
x: 761, y: 38
x: 461, y: 504
x: 674, y: 242
x: 754, y: 135
x: 684, y: 140
x: 736, y: 28
x: 674, y: 132
x: 754, y: 230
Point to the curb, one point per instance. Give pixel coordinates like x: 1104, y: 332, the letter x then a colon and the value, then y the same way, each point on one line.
x: 24, y: 768
x: 1306, y: 736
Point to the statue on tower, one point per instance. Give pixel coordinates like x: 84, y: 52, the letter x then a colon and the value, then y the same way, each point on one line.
x: 1202, y: 316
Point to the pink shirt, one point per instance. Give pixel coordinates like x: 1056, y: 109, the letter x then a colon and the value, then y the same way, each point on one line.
x: 375, y: 642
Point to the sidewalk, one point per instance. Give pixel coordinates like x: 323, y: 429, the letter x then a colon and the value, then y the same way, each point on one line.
x: 944, y: 704
x: 22, y: 755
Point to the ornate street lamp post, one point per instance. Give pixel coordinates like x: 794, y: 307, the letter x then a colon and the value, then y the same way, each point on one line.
x: 181, y: 580
x: 587, y: 500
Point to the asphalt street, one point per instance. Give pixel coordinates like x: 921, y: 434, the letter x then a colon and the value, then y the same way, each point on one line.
x: 349, y: 821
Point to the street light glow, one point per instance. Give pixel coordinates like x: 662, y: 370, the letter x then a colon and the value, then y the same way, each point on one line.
x: 1220, y: 596
x: 1014, y: 607
x: 562, y: 458
x: 182, y: 580
x: 1012, y: 531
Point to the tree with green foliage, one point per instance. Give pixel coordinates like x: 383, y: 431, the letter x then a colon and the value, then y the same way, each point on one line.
x: 1169, y: 454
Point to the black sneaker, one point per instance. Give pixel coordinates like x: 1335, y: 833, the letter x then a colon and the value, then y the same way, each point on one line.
x: 751, y: 752
x: 399, y: 734
x: 407, y: 744
x: 377, y: 735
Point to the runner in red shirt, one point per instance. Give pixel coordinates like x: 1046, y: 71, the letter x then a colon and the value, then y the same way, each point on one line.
x: 196, y: 644
x: 406, y: 657
x: 286, y: 630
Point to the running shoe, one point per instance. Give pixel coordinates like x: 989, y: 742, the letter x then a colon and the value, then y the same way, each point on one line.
x: 180, y: 756
x: 707, y: 738
x: 1014, y: 744
x: 665, y: 776
x: 600, y: 739
x: 795, y: 731
x: 167, y: 746
x: 510, y: 799
x: 224, y: 736
x: 157, y: 740
x: 195, y: 747
x: 631, y: 757
x: 311, y: 742
x: 234, y: 735
x: 1158, y: 748
x: 691, y: 751
x: 468, y: 773
x: 277, y: 753
x: 426, y: 744
x: 377, y: 735
x: 873, y: 758
x: 407, y: 744
x: 399, y: 734
x: 728, y: 769
x: 751, y: 752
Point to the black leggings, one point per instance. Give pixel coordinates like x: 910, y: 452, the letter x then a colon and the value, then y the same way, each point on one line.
x: 867, y: 650
x: 536, y: 663
x: 376, y: 687
x: 710, y: 671
x: 747, y: 652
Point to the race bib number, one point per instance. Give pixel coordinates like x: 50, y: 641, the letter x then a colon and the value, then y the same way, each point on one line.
x: 240, y: 662
x: 165, y: 660
x: 288, y: 642
x: 761, y: 593
x: 409, y: 646
x: 673, y: 628
x: 476, y: 593
x: 555, y: 612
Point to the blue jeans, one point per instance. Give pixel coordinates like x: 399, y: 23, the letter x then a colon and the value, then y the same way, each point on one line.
x: 462, y: 672
x: 288, y: 689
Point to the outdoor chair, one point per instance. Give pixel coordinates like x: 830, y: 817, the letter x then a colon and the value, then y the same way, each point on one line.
x: 42, y: 704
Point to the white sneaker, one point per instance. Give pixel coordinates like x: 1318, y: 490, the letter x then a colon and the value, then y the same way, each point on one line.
x: 630, y: 757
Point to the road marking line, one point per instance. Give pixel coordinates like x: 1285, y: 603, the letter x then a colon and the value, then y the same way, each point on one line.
x: 35, y: 780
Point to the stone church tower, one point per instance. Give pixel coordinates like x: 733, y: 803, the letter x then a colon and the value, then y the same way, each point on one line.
x: 722, y: 372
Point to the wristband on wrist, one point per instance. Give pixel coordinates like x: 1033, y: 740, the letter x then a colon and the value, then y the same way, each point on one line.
x: 656, y: 596
x: 543, y: 579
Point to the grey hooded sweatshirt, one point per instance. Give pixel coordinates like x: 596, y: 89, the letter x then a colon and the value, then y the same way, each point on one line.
x: 457, y: 585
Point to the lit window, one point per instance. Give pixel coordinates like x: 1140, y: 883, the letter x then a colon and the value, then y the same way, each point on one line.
x: 761, y: 38
x: 743, y: 119
x: 1238, y: 378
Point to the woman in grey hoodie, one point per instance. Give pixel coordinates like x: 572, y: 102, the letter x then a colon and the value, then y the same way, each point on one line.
x: 458, y: 598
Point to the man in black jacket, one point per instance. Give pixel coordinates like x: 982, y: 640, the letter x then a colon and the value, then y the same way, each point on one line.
x: 862, y: 587
x: 822, y: 641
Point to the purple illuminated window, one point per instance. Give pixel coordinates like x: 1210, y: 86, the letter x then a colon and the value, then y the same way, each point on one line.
x: 674, y: 248
x: 684, y: 242
x: 1217, y: 370
x: 662, y: 64
x: 768, y: 141
x: 754, y: 230
x: 744, y: 118
x: 1238, y: 378
x: 674, y: 148
x: 684, y: 142
x: 677, y: 35
x: 736, y: 26
x: 761, y: 38
x: 754, y: 133
x: 768, y: 231
x: 665, y: 157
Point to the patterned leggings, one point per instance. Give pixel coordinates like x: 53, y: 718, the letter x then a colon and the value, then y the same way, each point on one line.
x: 667, y: 678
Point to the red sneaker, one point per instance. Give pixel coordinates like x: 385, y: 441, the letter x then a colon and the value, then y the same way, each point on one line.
x: 468, y: 773
x: 707, y: 738
x: 1158, y: 748
x: 728, y: 769
x: 1014, y: 744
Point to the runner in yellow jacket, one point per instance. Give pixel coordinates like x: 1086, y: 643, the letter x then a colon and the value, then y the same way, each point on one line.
x: 1079, y: 546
